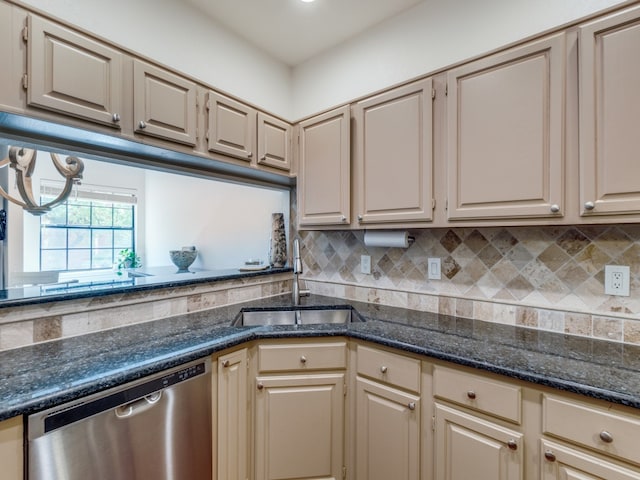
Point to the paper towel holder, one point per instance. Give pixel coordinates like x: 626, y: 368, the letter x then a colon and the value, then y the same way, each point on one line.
x: 388, y: 238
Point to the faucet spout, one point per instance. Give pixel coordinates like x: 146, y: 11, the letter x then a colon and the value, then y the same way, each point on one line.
x: 297, y: 270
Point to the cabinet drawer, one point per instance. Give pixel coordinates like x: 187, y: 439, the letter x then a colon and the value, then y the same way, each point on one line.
x: 479, y: 393
x: 389, y: 368
x: 314, y: 356
x: 592, y: 426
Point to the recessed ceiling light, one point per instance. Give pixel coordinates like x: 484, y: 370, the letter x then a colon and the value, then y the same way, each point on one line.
x: 307, y: 1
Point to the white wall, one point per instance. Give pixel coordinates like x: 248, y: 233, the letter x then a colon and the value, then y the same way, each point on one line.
x: 430, y: 36
x: 227, y: 223
x: 173, y: 33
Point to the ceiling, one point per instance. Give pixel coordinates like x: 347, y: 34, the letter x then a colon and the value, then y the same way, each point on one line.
x: 293, y: 31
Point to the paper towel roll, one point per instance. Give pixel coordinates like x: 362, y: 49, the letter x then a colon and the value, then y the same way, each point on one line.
x: 387, y: 239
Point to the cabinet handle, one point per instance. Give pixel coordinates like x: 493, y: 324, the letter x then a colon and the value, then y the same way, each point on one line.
x: 225, y: 363
x: 589, y: 206
x: 383, y: 369
x: 412, y: 405
x: 116, y: 118
x: 359, y: 218
x: 471, y: 394
x: 512, y: 444
x: 260, y: 386
x: 303, y: 359
x: 555, y: 208
x: 142, y: 125
x: 549, y: 455
x: 606, y: 437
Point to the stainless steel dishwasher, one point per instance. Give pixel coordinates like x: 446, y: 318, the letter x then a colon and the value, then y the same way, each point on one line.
x: 155, y: 428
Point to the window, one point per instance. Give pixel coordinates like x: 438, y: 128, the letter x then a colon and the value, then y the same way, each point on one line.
x: 87, y: 231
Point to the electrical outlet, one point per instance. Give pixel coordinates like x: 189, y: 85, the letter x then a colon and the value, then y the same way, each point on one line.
x: 365, y: 264
x: 434, y: 269
x: 616, y: 280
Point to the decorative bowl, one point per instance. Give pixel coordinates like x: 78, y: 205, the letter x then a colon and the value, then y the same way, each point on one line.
x: 183, y: 258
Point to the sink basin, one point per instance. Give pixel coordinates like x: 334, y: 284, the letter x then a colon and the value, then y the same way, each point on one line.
x: 252, y: 318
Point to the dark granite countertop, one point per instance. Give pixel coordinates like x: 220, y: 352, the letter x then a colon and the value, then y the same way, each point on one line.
x: 44, y: 375
x: 140, y: 280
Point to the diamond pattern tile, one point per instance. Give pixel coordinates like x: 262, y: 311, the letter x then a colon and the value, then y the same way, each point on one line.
x: 542, y: 267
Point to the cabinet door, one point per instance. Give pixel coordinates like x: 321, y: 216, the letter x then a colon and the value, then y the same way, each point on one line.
x: 164, y: 104
x: 11, y: 440
x: 387, y: 433
x: 324, y: 176
x: 73, y: 74
x: 563, y: 463
x: 609, y: 112
x: 299, y: 427
x: 506, y: 134
x: 394, y: 156
x: 12, y: 56
x: 232, y: 416
x: 469, y: 447
x: 274, y: 142
x: 232, y: 127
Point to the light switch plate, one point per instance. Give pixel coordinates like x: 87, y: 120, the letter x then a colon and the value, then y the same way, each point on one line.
x: 365, y: 264
x: 434, y: 270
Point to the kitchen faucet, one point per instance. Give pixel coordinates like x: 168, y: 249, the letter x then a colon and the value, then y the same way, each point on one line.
x: 297, y: 270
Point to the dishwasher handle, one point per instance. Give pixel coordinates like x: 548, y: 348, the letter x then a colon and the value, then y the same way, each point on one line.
x: 138, y: 406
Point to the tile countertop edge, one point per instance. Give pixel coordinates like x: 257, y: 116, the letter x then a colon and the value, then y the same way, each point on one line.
x: 190, y: 340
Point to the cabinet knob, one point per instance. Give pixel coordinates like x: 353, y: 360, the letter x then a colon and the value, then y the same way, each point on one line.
x: 383, y: 369
x: 359, y: 218
x: 343, y: 219
x: 555, y: 208
x: 512, y: 444
x: 249, y: 154
x: 606, y: 437
x: 412, y: 405
x: 260, y: 386
x: 225, y: 363
x: 471, y: 394
x: 549, y: 455
x: 303, y: 359
x: 263, y: 158
x: 142, y: 125
x: 116, y: 118
x: 589, y: 206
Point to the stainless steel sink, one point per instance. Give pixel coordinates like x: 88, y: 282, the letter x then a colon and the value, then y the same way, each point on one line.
x: 252, y: 318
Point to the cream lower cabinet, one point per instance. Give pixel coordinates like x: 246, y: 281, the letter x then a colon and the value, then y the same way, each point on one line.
x: 299, y: 396
x: 387, y: 433
x: 387, y: 415
x: 470, y: 447
x: 232, y: 417
x: 11, y: 449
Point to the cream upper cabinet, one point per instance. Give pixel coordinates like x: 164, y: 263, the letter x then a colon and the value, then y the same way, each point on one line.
x: 274, y: 142
x: 232, y: 127
x: 12, y: 56
x: 164, y: 104
x: 232, y: 416
x: 299, y: 396
x: 393, y: 170
x: 11, y: 450
x: 609, y: 111
x: 387, y: 415
x: 505, y: 134
x: 73, y: 74
x: 324, y: 173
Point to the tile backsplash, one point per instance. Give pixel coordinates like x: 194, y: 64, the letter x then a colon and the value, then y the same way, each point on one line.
x: 542, y: 277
